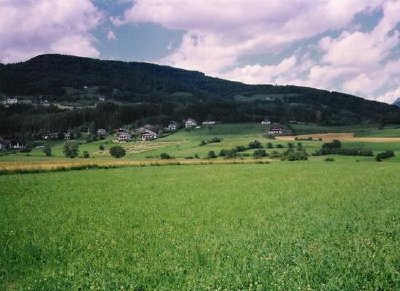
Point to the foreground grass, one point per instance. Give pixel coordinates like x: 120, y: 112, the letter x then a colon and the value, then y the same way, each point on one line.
x: 278, y: 226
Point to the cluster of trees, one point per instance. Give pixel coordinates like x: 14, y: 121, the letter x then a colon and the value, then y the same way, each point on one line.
x: 384, y: 155
x: 335, y: 148
x: 213, y: 140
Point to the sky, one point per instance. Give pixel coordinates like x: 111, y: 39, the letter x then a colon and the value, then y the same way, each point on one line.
x: 351, y: 46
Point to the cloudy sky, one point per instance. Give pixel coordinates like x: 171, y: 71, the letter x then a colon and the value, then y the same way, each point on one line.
x: 351, y: 46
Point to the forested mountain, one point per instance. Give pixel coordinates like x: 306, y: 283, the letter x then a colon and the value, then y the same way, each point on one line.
x: 143, y: 92
x: 397, y: 102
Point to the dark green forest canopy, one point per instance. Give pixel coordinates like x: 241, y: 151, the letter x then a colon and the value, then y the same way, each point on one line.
x: 142, y: 92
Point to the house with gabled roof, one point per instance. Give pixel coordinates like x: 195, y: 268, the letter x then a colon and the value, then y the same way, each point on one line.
x: 190, y: 122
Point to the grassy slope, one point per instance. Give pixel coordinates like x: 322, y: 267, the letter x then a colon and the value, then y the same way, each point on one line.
x: 278, y: 226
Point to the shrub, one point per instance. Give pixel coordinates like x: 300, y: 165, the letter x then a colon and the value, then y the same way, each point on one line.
x: 335, y: 144
x: 255, y: 145
x: 165, y: 156
x: 270, y: 145
x: 290, y: 145
x: 196, y: 156
x: 329, y: 160
x: 259, y: 153
x: 279, y: 146
x: 240, y: 148
x: 117, y: 152
x: 211, y: 155
x: 86, y: 155
x: 215, y: 139
x: 47, y: 149
x: 384, y: 155
x: 202, y: 143
x: 71, y: 149
x: 291, y: 155
x: 299, y: 145
x: 101, y: 147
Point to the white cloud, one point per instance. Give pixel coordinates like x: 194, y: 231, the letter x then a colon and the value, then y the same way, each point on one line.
x: 31, y: 27
x: 218, y: 32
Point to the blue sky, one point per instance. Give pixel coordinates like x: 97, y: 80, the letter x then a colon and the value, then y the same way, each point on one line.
x: 351, y: 46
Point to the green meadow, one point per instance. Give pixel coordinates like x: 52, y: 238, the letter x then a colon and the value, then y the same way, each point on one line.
x: 279, y: 226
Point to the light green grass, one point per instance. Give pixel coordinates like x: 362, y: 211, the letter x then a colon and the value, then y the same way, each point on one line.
x: 282, y: 226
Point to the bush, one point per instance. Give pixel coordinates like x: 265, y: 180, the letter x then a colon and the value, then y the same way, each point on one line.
x: 241, y: 148
x: 279, y: 146
x: 291, y: 155
x: 71, y: 149
x: 384, y: 155
x: 270, y: 145
x: 259, y: 153
x: 329, y: 160
x: 335, y: 144
x: 165, y: 156
x: 196, y: 156
x: 215, y: 139
x: 117, y: 152
x: 202, y: 143
x: 211, y: 155
x: 101, y: 147
x: 86, y: 155
x: 290, y: 145
x: 255, y: 145
x: 47, y: 149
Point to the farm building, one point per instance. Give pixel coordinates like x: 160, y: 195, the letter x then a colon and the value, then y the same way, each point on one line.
x: 266, y: 121
x: 276, y: 129
x: 149, y: 135
x: 207, y: 123
x: 50, y: 136
x: 173, y: 125
x: 124, y: 136
x: 190, y: 123
x: 16, y: 145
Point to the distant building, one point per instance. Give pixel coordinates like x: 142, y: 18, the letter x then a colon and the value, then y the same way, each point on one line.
x: 16, y: 145
x: 3, y: 144
x: 265, y: 121
x: 101, y: 132
x: 149, y: 135
x: 50, y: 136
x: 68, y: 135
x: 102, y: 99
x: 190, y: 123
x: 207, y: 123
x: 276, y: 129
x: 173, y: 125
x: 124, y: 136
x: 11, y: 101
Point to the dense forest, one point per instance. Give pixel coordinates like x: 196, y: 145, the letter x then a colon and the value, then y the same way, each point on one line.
x: 133, y: 93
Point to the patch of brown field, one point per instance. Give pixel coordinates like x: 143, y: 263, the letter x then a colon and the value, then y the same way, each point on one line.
x: 144, y: 146
x: 345, y: 136
x: 58, y: 165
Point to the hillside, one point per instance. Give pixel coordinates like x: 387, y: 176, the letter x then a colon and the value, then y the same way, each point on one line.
x: 144, y: 92
x: 397, y: 102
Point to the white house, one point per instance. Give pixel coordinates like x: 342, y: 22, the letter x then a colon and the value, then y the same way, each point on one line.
x: 124, y: 136
x: 173, y: 125
x: 190, y: 123
x: 149, y: 135
x: 265, y: 121
x: 11, y: 101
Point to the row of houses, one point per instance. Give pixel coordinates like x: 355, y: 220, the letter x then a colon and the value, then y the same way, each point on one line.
x: 11, y: 145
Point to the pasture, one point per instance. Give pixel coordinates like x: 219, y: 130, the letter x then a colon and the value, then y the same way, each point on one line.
x: 281, y: 226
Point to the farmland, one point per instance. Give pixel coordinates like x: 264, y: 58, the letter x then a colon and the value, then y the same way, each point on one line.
x: 198, y: 224
x: 272, y: 226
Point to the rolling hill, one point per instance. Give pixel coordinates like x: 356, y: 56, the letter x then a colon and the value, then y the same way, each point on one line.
x: 143, y: 92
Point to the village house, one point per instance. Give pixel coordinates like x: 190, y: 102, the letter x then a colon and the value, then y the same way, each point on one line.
x: 68, y: 135
x: 190, y: 123
x: 123, y: 135
x: 208, y: 123
x: 16, y: 145
x: 50, y: 136
x: 173, y: 125
x: 101, y: 132
x: 276, y: 129
x: 11, y: 101
x: 266, y: 121
x: 148, y: 135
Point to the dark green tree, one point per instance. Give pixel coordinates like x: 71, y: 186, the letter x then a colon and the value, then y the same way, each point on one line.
x: 71, y: 149
x: 117, y: 152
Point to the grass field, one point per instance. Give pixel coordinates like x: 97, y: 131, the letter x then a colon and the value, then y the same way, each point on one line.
x: 280, y: 226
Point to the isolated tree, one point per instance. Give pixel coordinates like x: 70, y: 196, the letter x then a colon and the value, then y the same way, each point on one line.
x: 47, y: 149
x: 71, y: 149
x: 86, y: 154
x: 101, y: 147
x: 165, y: 156
x: 117, y: 152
